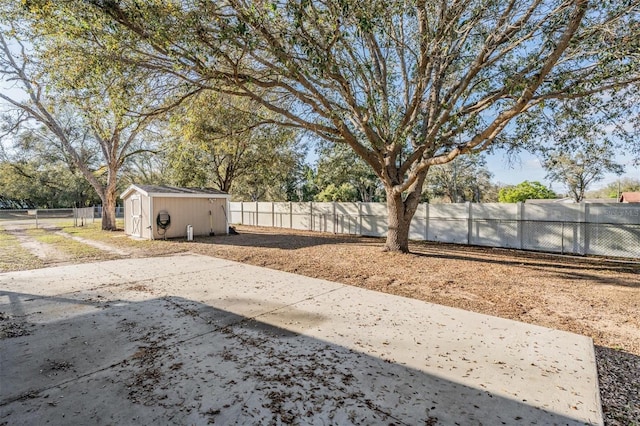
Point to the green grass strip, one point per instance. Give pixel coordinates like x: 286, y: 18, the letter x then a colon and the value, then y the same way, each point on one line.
x: 14, y: 257
x: 66, y: 245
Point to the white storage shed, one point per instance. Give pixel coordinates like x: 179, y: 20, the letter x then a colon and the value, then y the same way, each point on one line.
x: 156, y: 212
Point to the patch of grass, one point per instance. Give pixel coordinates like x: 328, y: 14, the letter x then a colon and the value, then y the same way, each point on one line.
x: 74, y: 248
x: 120, y: 240
x: 93, y: 231
x: 13, y: 257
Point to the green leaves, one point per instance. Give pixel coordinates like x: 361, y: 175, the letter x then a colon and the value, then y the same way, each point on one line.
x: 525, y: 191
x: 231, y: 144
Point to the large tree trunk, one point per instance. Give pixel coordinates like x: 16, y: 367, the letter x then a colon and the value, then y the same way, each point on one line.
x: 400, y: 214
x: 109, y: 212
x: 109, y: 204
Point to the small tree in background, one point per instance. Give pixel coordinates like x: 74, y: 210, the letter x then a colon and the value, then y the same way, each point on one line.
x: 578, y: 169
x: 343, y: 176
x: 525, y: 191
x: 464, y: 179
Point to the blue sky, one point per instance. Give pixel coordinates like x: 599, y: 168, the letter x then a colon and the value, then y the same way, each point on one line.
x: 528, y: 167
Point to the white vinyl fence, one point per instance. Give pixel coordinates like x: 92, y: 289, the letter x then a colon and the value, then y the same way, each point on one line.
x: 599, y: 229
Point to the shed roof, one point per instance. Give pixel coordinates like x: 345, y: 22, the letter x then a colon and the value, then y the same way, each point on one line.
x: 174, y: 192
x: 630, y: 197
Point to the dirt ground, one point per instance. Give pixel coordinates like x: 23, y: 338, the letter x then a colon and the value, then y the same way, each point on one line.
x: 595, y: 297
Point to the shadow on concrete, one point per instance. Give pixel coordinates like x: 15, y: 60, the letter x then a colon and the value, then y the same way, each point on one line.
x: 173, y: 360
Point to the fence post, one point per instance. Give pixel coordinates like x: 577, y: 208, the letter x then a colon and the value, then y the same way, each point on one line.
x: 311, y: 214
x: 426, y: 221
x: 241, y: 212
x: 469, y: 222
x: 257, y: 221
x: 273, y: 214
x: 290, y: 215
x: 585, y: 231
x: 36, y: 218
x: 360, y: 218
x: 520, y: 224
x: 335, y: 219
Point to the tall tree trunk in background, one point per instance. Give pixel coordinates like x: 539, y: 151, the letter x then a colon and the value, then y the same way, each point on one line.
x: 108, y: 196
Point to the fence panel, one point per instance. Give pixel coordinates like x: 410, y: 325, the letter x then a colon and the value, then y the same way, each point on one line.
x: 265, y: 214
x: 282, y: 215
x: 34, y: 217
x: 419, y: 223
x: 606, y: 239
x: 301, y: 216
x: 22, y: 214
x: 322, y: 217
x: 543, y: 236
x: 82, y: 216
x: 495, y: 233
x: 235, y: 212
x: 448, y: 223
x: 373, y: 219
x: 553, y: 212
x: 250, y: 214
x: 347, y: 218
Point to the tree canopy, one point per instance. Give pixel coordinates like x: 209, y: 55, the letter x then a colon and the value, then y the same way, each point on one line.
x: 343, y: 176
x: 230, y: 143
x: 79, y: 101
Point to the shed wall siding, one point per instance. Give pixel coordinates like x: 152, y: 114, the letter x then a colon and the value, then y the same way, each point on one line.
x: 127, y: 215
x: 145, y: 232
x: 190, y: 211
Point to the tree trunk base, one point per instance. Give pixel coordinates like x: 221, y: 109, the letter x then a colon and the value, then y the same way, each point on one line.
x: 387, y: 249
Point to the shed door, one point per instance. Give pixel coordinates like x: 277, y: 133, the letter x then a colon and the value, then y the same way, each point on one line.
x: 136, y: 216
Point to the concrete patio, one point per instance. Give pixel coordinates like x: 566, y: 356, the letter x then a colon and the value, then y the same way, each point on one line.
x: 192, y: 339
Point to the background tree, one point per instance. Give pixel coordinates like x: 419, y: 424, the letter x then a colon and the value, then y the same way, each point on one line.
x: 343, y: 176
x: 614, y: 189
x: 78, y: 100
x: 44, y: 185
x: 231, y: 144
x: 464, y: 179
x: 301, y: 184
x: 525, y: 191
x: 332, y: 192
x: 578, y: 169
x: 42, y: 177
x: 406, y: 85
